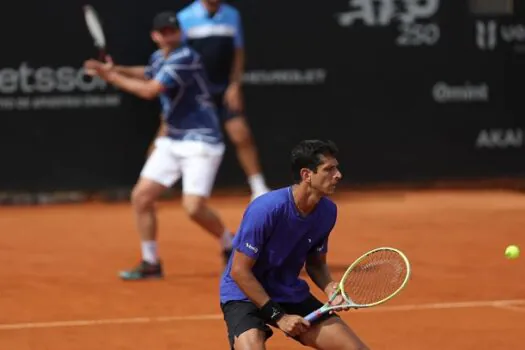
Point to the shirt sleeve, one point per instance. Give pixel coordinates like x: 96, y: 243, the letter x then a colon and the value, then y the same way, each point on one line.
x: 239, y: 35
x: 321, y: 248
x: 148, y: 72
x: 175, y: 73
x: 255, y: 227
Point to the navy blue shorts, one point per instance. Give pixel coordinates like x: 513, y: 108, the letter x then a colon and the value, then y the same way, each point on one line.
x: 241, y: 316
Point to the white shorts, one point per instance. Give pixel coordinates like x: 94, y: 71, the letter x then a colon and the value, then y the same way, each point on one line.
x: 196, y: 162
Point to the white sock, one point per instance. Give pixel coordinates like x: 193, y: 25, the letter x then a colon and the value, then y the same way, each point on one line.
x: 257, y: 183
x: 226, y: 240
x: 149, y: 251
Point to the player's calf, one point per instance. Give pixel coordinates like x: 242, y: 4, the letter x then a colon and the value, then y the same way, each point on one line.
x: 205, y: 217
x: 241, y: 136
x: 201, y: 214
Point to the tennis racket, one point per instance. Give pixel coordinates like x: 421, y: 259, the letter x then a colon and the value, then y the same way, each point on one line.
x: 374, y: 278
x: 94, y: 26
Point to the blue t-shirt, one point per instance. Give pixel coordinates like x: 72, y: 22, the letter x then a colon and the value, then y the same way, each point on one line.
x: 215, y: 38
x: 186, y: 102
x: 279, y: 238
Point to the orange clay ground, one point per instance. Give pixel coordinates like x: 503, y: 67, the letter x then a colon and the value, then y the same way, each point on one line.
x: 59, y: 288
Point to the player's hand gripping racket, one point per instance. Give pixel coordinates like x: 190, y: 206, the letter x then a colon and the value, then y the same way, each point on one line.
x: 95, y: 29
x: 374, y: 278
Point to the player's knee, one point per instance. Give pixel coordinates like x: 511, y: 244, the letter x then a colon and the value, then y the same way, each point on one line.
x: 239, y: 132
x: 252, y: 339
x: 193, y: 206
x: 141, y: 199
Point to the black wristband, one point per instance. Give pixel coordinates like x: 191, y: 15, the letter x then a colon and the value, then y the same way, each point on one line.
x: 271, y: 312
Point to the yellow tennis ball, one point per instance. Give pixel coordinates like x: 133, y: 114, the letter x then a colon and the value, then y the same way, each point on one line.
x: 512, y: 252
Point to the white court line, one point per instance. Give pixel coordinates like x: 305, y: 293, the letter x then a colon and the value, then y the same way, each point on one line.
x: 512, y: 307
x: 204, y: 317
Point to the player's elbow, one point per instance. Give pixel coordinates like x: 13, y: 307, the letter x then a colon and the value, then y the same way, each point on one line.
x: 238, y: 272
x: 148, y: 94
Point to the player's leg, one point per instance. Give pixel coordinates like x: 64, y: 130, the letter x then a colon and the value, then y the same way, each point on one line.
x: 254, y: 339
x: 161, y: 170
x: 332, y: 334
x: 240, y: 135
x: 246, y: 331
x: 198, y: 177
x: 328, y: 333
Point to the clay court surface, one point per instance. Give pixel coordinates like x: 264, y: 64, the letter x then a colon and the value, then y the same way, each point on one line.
x: 59, y: 288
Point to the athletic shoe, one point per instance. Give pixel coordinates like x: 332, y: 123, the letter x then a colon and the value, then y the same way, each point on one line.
x: 144, y: 270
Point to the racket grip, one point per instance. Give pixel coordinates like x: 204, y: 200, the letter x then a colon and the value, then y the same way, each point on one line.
x: 313, y: 315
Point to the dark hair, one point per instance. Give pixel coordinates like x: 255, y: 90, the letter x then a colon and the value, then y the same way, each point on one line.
x: 307, y: 154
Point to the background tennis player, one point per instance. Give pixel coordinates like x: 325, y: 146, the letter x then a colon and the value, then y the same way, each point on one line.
x: 192, y: 148
x: 215, y: 31
x: 280, y: 232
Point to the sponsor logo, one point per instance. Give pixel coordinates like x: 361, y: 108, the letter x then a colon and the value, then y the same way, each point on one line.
x: 444, y: 93
x: 26, y: 87
x: 316, y: 76
x: 252, y: 248
x: 500, y: 138
x: 415, y: 27
x: 490, y: 33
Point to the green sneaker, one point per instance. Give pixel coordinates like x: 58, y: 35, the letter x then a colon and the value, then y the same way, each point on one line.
x: 144, y: 270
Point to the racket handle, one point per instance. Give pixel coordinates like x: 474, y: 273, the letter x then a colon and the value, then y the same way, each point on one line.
x: 313, y: 315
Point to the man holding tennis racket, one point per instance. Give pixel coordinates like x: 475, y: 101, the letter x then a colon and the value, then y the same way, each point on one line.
x: 192, y: 148
x: 281, y: 232
x: 215, y: 31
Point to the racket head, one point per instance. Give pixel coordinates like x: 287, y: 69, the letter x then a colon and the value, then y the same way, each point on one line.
x: 375, y: 277
x: 94, y: 26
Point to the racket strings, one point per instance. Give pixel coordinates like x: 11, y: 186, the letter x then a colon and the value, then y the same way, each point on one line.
x: 375, y: 278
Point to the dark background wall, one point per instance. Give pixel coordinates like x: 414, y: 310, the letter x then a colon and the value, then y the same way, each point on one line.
x: 407, y: 92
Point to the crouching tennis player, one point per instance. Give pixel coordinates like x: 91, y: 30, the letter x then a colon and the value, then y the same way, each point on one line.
x: 280, y: 232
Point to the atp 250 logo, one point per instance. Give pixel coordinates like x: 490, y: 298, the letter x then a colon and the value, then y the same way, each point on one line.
x: 414, y: 19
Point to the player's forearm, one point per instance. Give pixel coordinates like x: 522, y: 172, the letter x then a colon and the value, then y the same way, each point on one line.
x: 238, y: 67
x: 250, y: 286
x: 137, y: 72
x: 132, y: 85
x: 320, y: 275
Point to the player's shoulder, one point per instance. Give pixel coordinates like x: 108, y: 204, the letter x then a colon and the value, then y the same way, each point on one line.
x: 155, y: 56
x: 231, y: 14
x: 182, y: 55
x: 271, y: 202
x: 230, y: 10
x: 187, y: 11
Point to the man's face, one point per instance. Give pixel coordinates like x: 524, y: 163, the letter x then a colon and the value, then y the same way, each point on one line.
x: 166, y: 37
x: 325, y: 179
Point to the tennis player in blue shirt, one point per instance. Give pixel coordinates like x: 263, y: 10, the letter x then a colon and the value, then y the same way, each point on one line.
x: 192, y: 148
x: 281, y: 232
